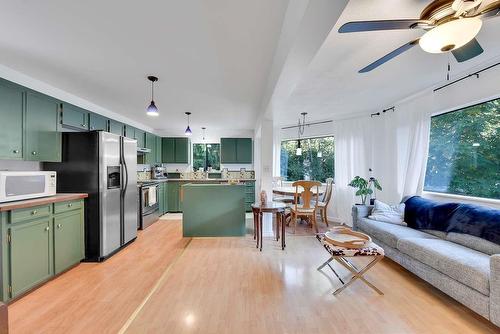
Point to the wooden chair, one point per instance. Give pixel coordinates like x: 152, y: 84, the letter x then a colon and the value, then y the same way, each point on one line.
x: 309, y: 202
x: 323, y: 204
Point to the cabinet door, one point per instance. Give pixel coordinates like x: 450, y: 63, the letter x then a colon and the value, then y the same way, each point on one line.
x: 129, y: 131
x: 140, y: 136
x: 30, y: 255
x: 74, y: 117
x: 43, y: 141
x: 173, y: 196
x: 116, y: 127
x: 98, y: 122
x: 165, y: 197
x: 168, y: 150
x: 68, y: 240
x: 158, y: 150
x: 244, y: 150
x: 161, y: 198
x: 182, y: 150
x: 151, y: 144
x: 11, y: 114
x: 228, y: 150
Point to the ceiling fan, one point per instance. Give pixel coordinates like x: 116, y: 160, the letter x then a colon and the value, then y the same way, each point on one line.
x: 449, y: 25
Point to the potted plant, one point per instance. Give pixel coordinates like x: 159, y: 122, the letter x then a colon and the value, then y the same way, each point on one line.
x: 364, y: 187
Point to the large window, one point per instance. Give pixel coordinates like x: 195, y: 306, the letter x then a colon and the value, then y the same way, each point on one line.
x: 206, y: 155
x: 464, y: 152
x: 314, y: 163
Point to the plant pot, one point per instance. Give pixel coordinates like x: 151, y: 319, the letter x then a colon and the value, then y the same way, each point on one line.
x: 372, y: 201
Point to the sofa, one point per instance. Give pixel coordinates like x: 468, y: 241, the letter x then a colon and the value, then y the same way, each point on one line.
x: 464, y: 266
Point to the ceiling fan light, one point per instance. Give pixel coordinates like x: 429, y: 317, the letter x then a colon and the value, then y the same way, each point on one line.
x: 152, y: 110
x: 450, y: 35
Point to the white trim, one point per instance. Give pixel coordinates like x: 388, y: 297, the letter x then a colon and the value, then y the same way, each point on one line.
x: 466, y: 105
x: 490, y: 202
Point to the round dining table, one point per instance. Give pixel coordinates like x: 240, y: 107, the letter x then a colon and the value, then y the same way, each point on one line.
x: 290, y: 191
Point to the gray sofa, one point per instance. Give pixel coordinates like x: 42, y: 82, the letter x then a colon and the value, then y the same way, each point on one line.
x: 465, y: 267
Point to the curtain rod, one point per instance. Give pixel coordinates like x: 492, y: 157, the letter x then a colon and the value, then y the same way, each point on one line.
x: 466, y: 77
x: 308, y: 124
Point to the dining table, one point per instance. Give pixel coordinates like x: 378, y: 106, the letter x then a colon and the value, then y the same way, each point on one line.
x: 290, y: 191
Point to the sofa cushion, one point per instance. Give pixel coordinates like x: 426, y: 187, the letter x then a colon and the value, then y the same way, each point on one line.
x: 389, y: 233
x: 463, y: 264
x: 439, y: 234
x: 473, y: 242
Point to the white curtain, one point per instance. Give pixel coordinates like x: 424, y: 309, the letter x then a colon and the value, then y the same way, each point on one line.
x: 352, y: 139
x: 394, y: 145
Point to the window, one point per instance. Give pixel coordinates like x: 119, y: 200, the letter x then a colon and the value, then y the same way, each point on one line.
x: 464, y: 152
x: 315, y: 162
x: 206, y: 155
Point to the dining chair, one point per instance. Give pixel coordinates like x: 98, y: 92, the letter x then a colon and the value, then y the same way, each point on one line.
x: 308, y: 202
x: 323, y: 204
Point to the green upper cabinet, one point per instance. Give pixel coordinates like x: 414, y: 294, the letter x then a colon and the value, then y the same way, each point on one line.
x: 30, y: 255
x: 43, y: 141
x: 168, y: 150
x: 136, y: 134
x: 158, y: 150
x: 244, y: 150
x: 228, y: 150
x: 236, y: 150
x: 11, y: 114
x: 98, y: 122
x: 74, y: 118
x: 176, y: 150
x: 116, y: 127
x: 151, y: 145
x: 182, y: 150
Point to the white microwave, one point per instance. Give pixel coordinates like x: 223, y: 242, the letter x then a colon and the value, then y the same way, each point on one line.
x: 15, y: 186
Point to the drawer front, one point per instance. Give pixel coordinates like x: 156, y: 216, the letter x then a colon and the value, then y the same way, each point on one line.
x: 67, y: 206
x: 30, y: 213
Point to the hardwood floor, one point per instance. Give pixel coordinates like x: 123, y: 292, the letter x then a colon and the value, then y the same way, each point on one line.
x: 225, y: 285
x: 100, y: 297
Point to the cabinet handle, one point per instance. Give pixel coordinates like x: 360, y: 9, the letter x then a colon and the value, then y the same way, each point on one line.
x: 34, y: 152
x: 34, y: 212
x: 59, y: 226
x: 83, y: 125
x: 70, y: 205
x: 91, y: 128
x: 47, y: 228
x: 15, y: 151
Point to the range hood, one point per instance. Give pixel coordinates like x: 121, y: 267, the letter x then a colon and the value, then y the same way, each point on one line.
x: 143, y: 150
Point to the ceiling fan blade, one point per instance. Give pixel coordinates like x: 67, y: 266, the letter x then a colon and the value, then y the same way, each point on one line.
x: 489, y: 11
x: 389, y: 56
x: 468, y: 51
x: 383, y: 25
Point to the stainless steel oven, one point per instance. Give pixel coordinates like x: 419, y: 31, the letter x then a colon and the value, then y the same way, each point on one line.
x: 149, y: 204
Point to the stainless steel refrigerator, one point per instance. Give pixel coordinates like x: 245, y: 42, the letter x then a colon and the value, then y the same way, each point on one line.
x: 104, y: 165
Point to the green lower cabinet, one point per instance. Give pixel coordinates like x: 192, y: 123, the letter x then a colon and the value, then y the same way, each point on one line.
x: 161, y: 198
x: 68, y: 240
x: 173, y: 196
x: 30, y: 255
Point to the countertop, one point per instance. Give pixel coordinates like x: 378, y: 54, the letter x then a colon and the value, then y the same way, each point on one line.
x: 194, y: 180
x: 41, y: 201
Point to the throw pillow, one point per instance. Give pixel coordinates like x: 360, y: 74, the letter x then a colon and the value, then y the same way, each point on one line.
x: 393, y: 214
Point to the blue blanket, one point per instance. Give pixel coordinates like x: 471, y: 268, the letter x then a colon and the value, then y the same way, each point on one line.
x: 424, y: 214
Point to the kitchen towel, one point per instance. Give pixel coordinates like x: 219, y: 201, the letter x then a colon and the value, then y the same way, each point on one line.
x: 152, y: 196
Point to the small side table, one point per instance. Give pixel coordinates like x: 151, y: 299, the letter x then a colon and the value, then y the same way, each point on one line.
x: 277, y: 208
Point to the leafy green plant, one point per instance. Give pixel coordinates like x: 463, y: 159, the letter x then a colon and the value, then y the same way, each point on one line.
x: 364, y: 187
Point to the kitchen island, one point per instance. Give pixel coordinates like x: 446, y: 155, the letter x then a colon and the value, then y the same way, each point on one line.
x: 213, y: 210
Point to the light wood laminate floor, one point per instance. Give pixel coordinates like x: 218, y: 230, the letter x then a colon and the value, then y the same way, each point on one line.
x: 224, y: 285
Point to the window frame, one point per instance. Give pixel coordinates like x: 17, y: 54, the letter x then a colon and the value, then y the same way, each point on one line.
x: 437, y: 195
x: 205, y: 168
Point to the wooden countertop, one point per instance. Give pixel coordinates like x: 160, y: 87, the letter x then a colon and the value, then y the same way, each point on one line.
x: 41, y: 201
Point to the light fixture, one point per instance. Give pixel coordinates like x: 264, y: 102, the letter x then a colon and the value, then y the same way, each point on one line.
x: 450, y: 35
x: 203, y: 128
x: 476, y: 144
x: 299, y: 149
x: 301, y: 127
x: 320, y: 154
x: 188, y: 131
x: 152, y: 110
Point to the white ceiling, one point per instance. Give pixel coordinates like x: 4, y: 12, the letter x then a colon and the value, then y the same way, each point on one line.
x: 212, y: 57
x: 332, y: 87
x: 215, y: 58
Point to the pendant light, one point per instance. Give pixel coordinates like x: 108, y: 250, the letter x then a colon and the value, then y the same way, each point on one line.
x: 203, y: 129
x: 320, y: 154
x: 188, y: 131
x: 152, y: 110
x: 301, y: 127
